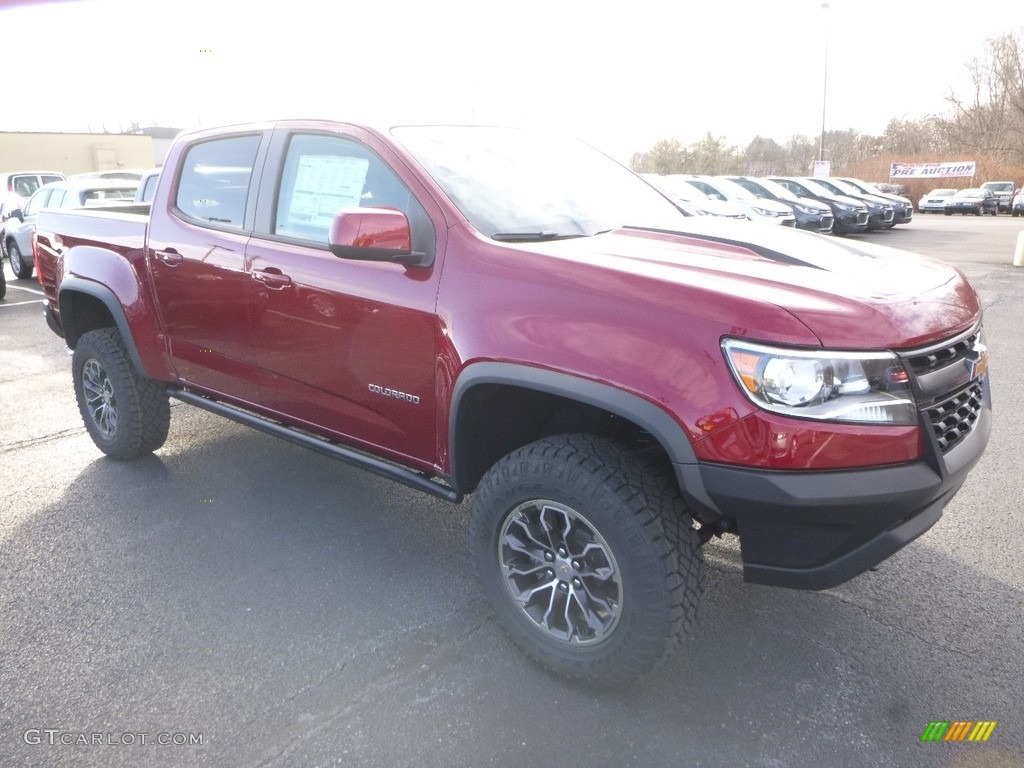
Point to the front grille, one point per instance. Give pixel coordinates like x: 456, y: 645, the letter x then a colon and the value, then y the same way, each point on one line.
x: 887, y: 216
x: 940, y: 357
x: 862, y: 218
x: 953, y: 419
x: 827, y: 222
x: 949, y: 388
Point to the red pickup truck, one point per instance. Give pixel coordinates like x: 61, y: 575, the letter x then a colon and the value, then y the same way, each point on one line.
x: 488, y: 311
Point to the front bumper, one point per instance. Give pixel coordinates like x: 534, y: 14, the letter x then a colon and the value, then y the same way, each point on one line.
x: 879, y: 218
x: 965, y: 208
x: 814, y: 530
x: 815, y: 222
x: 903, y: 215
x: 847, y: 222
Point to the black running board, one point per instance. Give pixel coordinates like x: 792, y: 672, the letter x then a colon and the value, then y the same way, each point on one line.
x: 320, y: 445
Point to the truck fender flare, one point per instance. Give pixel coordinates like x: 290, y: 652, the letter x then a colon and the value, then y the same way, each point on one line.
x: 71, y: 285
x: 645, y: 414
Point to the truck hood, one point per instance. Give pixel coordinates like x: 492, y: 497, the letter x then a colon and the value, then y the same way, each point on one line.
x: 851, y: 295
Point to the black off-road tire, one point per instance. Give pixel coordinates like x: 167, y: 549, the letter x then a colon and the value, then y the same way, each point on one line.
x: 3, y: 281
x: 625, y: 520
x: 126, y: 415
x: 22, y: 269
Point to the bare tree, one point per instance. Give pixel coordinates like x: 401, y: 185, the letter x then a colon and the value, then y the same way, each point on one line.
x: 801, y: 153
x: 667, y: 156
x: 764, y: 157
x: 711, y: 156
x: 911, y: 137
x: 991, y: 120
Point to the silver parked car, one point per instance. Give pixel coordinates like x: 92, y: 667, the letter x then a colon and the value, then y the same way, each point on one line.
x: 72, y: 193
x: 934, y: 201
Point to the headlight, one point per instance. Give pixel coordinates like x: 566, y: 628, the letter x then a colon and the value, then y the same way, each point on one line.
x: 862, y: 387
x: 803, y: 208
x: 762, y: 211
x: 845, y: 207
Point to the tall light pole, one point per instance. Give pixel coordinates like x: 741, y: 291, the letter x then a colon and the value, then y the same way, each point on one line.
x: 824, y: 87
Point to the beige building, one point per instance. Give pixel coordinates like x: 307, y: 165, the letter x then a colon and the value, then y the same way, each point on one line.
x: 72, y: 153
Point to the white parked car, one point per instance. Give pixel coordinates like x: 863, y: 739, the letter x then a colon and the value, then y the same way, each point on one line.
x: 756, y: 208
x: 934, y: 201
x: 692, y: 200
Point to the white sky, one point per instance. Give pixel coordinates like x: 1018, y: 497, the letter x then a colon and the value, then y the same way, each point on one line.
x: 620, y: 74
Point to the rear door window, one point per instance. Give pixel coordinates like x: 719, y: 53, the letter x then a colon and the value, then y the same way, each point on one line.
x: 214, y: 184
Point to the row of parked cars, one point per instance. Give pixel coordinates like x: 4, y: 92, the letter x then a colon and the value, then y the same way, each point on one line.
x: 26, y: 193
x: 992, y: 197
x: 839, y: 206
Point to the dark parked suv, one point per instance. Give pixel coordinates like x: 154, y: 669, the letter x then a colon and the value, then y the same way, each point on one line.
x: 881, y: 214
x: 851, y: 216
x: 903, y: 207
x: 811, y: 214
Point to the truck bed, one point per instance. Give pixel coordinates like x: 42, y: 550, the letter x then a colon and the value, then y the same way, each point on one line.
x: 118, y: 228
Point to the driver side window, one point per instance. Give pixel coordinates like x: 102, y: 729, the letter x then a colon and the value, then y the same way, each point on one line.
x: 324, y: 174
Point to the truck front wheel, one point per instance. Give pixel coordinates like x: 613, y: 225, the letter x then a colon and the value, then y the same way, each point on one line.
x: 588, y: 557
x: 126, y: 415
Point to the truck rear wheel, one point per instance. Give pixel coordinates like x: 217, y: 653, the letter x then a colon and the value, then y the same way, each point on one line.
x: 588, y: 557
x: 126, y: 415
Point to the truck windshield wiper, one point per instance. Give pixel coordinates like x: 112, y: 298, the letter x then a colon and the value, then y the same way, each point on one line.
x: 532, y: 237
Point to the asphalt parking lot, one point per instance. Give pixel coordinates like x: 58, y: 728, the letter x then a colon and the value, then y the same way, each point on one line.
x: 237, y: 601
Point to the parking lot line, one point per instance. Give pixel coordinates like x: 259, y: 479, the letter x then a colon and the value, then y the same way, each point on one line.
x: 13, y: 287
x: 19, y: 303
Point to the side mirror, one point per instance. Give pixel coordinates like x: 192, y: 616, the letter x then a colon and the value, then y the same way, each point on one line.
x: 372, y: 234
x: 15, y: 214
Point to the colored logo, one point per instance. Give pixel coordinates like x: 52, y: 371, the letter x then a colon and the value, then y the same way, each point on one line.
x: 959, y: 730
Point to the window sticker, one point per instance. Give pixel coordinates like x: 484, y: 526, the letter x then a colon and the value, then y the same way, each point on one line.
x: 323, y: 184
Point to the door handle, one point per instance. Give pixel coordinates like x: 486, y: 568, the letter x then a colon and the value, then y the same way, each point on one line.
x: 272, y: 278
x: 170, y: 257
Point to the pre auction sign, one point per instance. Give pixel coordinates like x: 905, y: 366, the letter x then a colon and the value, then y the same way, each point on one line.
x: 963, y: 169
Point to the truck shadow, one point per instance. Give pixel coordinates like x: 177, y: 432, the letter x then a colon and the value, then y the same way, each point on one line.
x: 250, y: 589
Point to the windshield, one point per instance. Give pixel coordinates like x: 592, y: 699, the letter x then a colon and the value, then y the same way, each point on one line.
x: 778, y: 190
x: 970, y: 193
x: 862, y: 186
x: 998, y: 186
x: 843, y: 187
x: 676, y: 187
x: 731, y: 190
x: 514, y: 184
x: 817, y: 189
